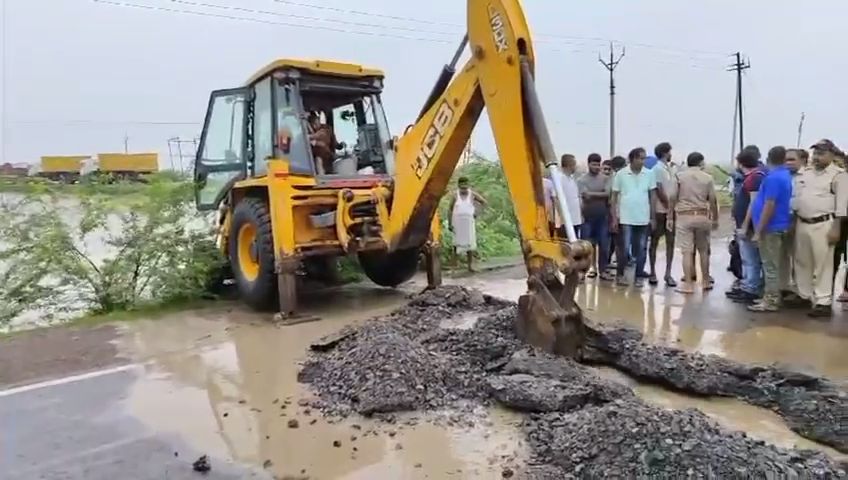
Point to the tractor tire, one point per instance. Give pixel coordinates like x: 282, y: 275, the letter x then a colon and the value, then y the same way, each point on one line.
x: 390, y: 269
x: 252, y: 254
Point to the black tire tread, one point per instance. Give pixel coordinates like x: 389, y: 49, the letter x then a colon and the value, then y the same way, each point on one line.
x: 260, y: 294
x: 390, y: 269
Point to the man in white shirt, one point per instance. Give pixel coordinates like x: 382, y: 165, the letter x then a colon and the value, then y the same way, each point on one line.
x: 572, y: 196
x: 548, y: 185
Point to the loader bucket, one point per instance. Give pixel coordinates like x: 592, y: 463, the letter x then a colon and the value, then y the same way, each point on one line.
x: 548, y: 316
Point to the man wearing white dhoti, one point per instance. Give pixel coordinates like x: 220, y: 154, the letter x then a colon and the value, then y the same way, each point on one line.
x: 463, y: 221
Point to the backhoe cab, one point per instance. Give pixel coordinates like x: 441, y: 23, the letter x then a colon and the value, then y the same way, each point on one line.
x: 292, y: 161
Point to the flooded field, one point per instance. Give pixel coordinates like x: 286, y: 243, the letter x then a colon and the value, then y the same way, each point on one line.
x: 96, y: 246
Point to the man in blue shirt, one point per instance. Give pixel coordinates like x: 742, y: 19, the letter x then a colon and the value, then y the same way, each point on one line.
x: 651, y: 161
x: 771, y: 216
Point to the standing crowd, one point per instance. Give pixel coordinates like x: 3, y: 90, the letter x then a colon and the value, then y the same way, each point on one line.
x: 790, y: 220
x: 628, y: 207
x: 790, y: 228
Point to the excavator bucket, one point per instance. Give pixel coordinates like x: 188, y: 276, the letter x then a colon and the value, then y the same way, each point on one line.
x: 548, y: 316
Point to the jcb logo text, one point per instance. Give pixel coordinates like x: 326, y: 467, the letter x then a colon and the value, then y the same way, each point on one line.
x: 498, y: 29
x: 433, y: 138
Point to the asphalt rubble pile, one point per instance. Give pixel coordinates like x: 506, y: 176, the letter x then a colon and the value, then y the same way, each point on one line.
x: 406, y: 362
x: 577, y: 424
x: 813, y: 407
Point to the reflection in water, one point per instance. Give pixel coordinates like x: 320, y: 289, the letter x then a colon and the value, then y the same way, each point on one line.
x: 227, y: 384
x: 704, y: 322
x: 733, y: 414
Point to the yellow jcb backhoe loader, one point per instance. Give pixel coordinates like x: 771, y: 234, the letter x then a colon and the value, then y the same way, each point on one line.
x: 302, y: 168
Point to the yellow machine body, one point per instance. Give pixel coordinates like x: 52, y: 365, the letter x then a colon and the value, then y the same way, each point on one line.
x: 379, y: 200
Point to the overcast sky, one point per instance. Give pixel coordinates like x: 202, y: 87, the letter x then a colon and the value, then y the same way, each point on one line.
x: 80, y: 75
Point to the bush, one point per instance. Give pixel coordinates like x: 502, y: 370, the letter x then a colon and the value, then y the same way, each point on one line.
x: 497, y: 231
x: 98, y: 254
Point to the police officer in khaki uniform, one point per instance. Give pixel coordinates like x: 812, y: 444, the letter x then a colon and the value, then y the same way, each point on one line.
x: 820, y: 202
x: 796, y: 161
x: 696, y: 207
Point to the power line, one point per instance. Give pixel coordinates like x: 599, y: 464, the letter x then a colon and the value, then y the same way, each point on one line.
x: 559, y: 39
x: 556, y: 39
x: 149, y: 7
x: 306, y: 17
x: 261, y: 21
x: 347, y: 11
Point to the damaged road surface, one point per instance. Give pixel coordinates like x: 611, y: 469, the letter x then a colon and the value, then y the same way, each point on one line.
x: 576, y: 423
x: 814, y: 407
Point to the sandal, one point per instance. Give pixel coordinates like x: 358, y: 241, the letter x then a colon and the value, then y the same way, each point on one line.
x: 670, y: 282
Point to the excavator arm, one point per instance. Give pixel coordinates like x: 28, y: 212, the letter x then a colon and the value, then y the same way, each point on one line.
x: 499, y: 77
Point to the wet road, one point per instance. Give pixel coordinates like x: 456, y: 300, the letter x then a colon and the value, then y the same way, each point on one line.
x: 223, y: 382
x: 705, y: 322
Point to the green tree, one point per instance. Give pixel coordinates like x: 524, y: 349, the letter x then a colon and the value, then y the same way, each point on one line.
x: 100, y: 253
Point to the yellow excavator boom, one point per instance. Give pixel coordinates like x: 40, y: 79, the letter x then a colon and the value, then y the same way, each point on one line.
x: 499, y: 77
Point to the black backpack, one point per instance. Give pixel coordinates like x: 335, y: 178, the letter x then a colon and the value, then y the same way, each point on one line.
x: 735, y: 266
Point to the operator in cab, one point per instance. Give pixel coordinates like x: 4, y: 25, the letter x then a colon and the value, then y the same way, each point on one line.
x: 323, y: 144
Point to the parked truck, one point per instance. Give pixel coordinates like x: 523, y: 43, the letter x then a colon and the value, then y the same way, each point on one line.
x: 62, y: 168
x: 127, y: 166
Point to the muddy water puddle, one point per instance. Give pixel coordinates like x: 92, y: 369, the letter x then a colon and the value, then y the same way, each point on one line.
x: 733, y: 414
x: 707, y: 323
x: 710, y: 324
x: 226, y: 382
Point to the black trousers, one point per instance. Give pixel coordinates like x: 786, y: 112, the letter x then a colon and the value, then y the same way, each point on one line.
x: 839, y: 250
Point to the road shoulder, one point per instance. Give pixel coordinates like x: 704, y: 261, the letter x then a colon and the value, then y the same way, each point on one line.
x: 49, y: 353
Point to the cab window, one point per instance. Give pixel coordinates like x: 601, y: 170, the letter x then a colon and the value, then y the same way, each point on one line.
x: 291, y: 141
x: 263, y: 136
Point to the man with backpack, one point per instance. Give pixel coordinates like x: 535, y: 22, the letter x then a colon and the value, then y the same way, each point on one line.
x: 753, y: 172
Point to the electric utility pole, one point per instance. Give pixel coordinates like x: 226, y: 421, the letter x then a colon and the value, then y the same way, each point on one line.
x: 739, y: 67
x: 611, y: 66
x: 800, y: 129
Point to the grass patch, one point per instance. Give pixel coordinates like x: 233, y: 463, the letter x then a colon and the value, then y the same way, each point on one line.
x: 147, y: 312
x: 151, y: 311
x: 92, y: 186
